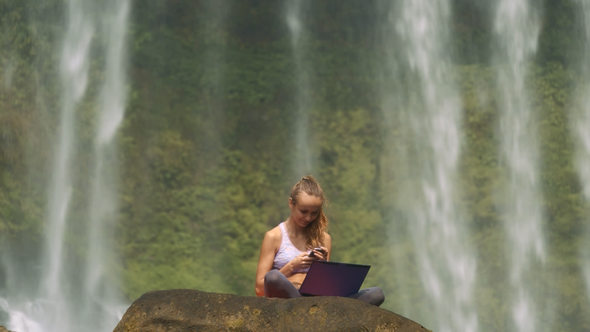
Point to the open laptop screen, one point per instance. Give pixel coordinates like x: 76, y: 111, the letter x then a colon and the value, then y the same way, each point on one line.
x: 333, y: 279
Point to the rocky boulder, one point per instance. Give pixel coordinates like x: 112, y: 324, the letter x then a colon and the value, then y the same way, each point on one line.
x: 192, y: 310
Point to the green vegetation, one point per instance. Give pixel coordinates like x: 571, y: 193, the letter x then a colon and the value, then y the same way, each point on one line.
x: 207, y: 147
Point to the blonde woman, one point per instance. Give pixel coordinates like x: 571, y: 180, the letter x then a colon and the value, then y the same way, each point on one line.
x: 285, y: 252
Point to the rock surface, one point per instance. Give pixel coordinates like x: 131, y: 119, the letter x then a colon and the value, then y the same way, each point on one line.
x: 192, y: 310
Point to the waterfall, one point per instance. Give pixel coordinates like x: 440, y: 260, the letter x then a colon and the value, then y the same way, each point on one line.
x: 213, y: 21
x: 580, y: 122
x: 516, y: 31
x: 74, y: 71
x: 293, y: 14
x: 429, y: 107
x: 77, y: 288
x: 100, y: 294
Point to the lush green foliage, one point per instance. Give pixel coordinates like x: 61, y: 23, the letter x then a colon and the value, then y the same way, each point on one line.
x: 208, y: 146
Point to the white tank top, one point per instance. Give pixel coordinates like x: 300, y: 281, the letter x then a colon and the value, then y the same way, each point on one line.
x: 287, y: 251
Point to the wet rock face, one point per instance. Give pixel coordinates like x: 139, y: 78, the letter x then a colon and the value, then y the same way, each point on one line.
x: 193, y: 310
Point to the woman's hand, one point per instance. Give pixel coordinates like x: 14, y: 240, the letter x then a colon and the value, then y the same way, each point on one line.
x: 320, y: 253
x: 297, y: 264
x: 301, y: 262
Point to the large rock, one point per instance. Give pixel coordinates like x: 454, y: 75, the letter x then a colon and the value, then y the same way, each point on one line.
x: 192, y: 310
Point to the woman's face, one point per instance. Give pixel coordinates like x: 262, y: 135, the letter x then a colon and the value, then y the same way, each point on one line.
x: 306, y: 210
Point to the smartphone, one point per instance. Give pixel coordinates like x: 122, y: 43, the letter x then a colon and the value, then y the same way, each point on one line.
x: 312, y: 254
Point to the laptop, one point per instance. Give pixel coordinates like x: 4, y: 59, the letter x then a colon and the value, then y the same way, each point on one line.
x: 333, y: 279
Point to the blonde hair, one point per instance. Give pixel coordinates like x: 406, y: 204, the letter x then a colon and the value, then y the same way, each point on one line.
x: 315, y: 230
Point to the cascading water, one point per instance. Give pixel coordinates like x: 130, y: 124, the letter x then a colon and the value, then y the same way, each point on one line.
x: 580, y: 122
x: 100, y: 294
x: 293, y: 16
x: 212, y: 21
x: 71, y: 296
x: 74, y: 71
x: 431, y: 112
x: 516, y: 28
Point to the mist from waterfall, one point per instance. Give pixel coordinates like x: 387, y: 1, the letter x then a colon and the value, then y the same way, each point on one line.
x: 428, y: 103
x: 580, y: 126
x: 81, y: 293
x: 294, y: 17
x: 516, y: 30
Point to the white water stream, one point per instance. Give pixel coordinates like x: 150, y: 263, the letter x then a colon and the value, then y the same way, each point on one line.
x: 516, y: 31
x: 73, y: 297
x: 102, y: 305
x: 57, y: 313
x: 294, y: 15
x: 213, y: 22
x: 430, y: 109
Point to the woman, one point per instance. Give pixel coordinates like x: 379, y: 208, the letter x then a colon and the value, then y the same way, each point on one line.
x: 285, y: 252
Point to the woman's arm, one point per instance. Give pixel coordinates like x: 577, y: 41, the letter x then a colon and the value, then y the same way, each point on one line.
x: 268, y: 250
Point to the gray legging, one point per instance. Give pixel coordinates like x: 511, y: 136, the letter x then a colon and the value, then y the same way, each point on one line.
x: 277, y: 285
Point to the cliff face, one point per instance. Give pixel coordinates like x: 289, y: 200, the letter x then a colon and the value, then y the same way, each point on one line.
x: 192, y: 310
